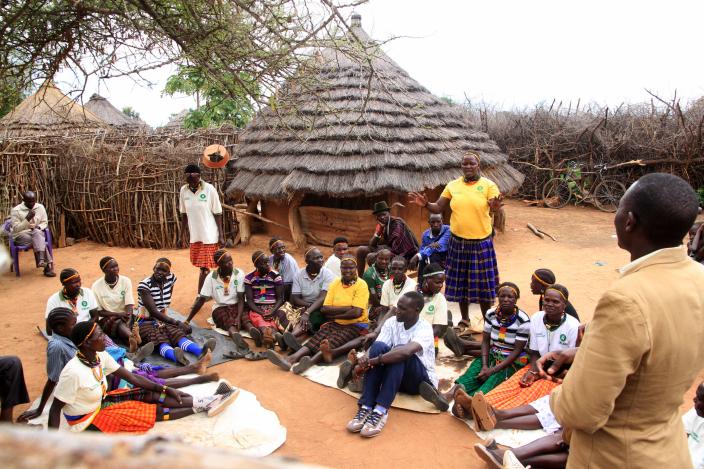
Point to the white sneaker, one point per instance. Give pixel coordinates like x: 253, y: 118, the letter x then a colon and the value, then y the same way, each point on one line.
x: 356, y: 424
x: 221, y: 403
x: 374, y: 424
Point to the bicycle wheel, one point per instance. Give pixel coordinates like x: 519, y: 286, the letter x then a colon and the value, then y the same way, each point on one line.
x: 607, y: 194
x: 556, y: 193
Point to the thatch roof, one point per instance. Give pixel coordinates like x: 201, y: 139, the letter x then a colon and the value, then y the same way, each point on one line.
x: 49, y: 110
x: 176, y: 121
x: 102, y: 108
x: 347, y: 132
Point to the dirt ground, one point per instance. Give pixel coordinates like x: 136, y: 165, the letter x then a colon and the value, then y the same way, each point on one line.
x: 584, y: 257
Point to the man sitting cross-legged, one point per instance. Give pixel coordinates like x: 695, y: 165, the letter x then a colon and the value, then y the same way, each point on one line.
x: 401, y: 359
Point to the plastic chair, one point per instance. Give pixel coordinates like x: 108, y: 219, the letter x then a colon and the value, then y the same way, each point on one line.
x: 15, y: 250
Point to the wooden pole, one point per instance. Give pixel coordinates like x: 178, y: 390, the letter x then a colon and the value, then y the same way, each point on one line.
x: 245, y: 224
x: 294, y: 222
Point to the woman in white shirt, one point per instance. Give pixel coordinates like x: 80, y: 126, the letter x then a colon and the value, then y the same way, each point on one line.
x: 113, y: 292
x: 87, y: 405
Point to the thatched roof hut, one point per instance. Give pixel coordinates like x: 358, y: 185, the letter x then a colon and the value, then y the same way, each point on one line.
x: 357, y: 131
x: 49, y: 111
x: 104, y: 109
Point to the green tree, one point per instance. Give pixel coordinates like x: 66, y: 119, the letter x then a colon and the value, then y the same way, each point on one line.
x: 130, y: 112
x: 216, y: 103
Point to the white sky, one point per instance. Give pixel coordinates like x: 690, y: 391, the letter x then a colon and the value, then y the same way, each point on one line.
x: 515, y: 53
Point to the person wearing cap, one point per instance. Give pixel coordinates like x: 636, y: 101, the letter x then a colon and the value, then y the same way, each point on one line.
x: 28, y: 222
x: 472, y: 270
x: 391, y: 233
x: 201, y: 212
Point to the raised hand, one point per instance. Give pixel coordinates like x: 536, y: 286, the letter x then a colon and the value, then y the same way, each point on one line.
x: 418, y: 199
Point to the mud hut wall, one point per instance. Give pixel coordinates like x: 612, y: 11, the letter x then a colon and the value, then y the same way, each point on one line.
x: 114, y: 188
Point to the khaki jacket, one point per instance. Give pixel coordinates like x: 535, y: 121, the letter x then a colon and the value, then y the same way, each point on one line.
x: 20, y: 225
x: 640, y: 354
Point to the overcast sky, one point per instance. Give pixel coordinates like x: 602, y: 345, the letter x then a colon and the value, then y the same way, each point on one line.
x: 515, y: 53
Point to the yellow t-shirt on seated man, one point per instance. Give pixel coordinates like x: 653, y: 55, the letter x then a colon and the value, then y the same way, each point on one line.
x: 469, y: 201
x: 356, y: 295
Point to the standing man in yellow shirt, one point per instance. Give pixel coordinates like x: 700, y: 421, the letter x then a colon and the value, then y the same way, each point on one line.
x: 472, y: 271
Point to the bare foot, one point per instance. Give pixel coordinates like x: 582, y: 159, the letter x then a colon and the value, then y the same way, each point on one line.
x: 203, y: 363
x: 135, y: 333
x: 211, y: 377
x: 134, y: 345
x: 325, y: 350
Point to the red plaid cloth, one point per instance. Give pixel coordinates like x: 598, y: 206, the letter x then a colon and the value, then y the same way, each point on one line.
x: 511, y: 394
x: 202, y: 255
x: 128, y: 417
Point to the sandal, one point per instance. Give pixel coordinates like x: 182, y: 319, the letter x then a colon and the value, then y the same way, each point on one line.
x: 462, y: 408
x: 254, y: 356
x: 487, y: 456
x: 483, y: 414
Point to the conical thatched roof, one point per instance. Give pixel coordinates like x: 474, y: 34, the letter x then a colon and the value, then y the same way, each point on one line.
x: 102, y: 108
x: 49, y: 110
x: 343, y: 134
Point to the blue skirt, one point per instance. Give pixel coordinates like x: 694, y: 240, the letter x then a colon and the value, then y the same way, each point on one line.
x: 472, y: 271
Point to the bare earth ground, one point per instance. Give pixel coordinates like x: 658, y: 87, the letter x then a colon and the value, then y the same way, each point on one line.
x: 584, y: 259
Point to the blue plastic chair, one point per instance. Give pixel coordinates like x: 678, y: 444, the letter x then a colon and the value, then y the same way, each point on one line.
x: 15, y: 250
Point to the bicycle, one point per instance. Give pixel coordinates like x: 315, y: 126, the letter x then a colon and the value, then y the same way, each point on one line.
x: 605, y: 195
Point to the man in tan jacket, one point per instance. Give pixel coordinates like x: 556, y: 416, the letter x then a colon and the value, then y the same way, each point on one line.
x: 620, y: 399
x: 29, y: 220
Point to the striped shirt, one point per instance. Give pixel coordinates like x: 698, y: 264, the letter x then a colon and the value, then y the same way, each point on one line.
x: 503, y: 338
x: 59, y: 351
x: 161, y: 294
x: 263, y: 288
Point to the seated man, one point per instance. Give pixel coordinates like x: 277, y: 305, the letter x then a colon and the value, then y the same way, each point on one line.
x: 310, y: 286
x: 434, y: 244
x: 13, y: 390
x: 401, y: 359
x: 283, y: 263
x: 375, y: 276
x: 29, y: 220
x: 225, y: 286
x: 345, y: 308
x: 340, y: 247
x: 391, y: 233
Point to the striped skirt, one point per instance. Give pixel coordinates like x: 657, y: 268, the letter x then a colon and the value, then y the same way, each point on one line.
x: 202, y: 255
x: 337, y: 335
x: 472, y: 271
x: 122, y: 410
x: 159, y: 332
x: 510, y: 393
x: 226, y: 317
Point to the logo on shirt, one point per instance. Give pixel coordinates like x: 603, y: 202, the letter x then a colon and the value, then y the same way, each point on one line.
x: 202, y: 197
x: 431, y: 308
x: 563, y: 339
x: 84, y: 303
x: 480, y: 188
x: 122, y: 293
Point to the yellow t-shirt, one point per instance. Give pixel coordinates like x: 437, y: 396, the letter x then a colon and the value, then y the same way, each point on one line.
x: 469, y: 202
x: 356, y: 295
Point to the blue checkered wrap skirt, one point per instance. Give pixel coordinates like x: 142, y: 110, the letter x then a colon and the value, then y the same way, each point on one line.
x: 472, y: 273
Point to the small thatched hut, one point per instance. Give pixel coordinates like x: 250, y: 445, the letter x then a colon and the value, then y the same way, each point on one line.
x: 104, y: 109
x: 49, y: 111
x: 354, y: 131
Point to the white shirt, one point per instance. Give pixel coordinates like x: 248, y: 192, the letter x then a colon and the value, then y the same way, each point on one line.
x: 80, y: 389
x: 309, y: 288
x: 394, y: 334
x: 287, y: 268
x: 200, y: 208
x: 214, y: 287
x: 113, y: 299
x: 86, y: 301
x: 562, y: 338
x: 333, y: 265
x: 435, y: 309
x: 389, y: 297
x: 694, y: 426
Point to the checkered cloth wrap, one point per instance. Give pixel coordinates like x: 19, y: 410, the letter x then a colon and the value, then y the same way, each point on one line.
x: 128, y: 416
x: 226, y: 317
x: 337, y: 335
x: 472, y: 271
x: 159, y: 332
x: 202, y: 255
x: 510, y: 394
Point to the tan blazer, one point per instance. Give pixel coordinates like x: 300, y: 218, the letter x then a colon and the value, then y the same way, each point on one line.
x: 640, y: 354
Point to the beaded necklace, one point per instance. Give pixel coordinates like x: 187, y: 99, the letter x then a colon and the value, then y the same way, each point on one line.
x: 93, y: 365
x: 112, y: 285
x: 552, y: 327
x: 72, y: 301
x: 399, y: 289
x: 347, y: 285
x: 506, y: 321
x: 226, y: 282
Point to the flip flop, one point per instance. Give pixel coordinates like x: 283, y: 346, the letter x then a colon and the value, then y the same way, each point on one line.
x: 181, y: 357
x: 143, y: 352
x: 234, y: 354
x: 239, y: 341
x: 428, y: 392
x: 302, y: 365
x: 254, y: 356
x: 345, y: 374
x: 208, y: 345
x: 483, y: 413
x: 256, y: 335
x: 292, y: 342
x: 278, y: 360
x: 464, y: 401
x: 226, y: 400
x: 486, y: 456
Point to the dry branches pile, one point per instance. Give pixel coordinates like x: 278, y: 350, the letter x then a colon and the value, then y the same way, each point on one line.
x: 114, y: 187
x: 630, y: 140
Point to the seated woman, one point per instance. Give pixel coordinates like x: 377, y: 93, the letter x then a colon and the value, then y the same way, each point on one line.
x: 340, y: 247
x: 226, y: 287
x: 310, y: 285
x: 156, y: 326
x: 375, y: 276
x: 74, y: 297
x: 506, y: 333
x: 542, y: 279
x: 550, y: 330
x: 82, y: 392
x: 345, y: 308
x: 397, y: 284
x: 113, y: 292
x: 435, y: 309
x: 283, y: 263
x: 264, y: 293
